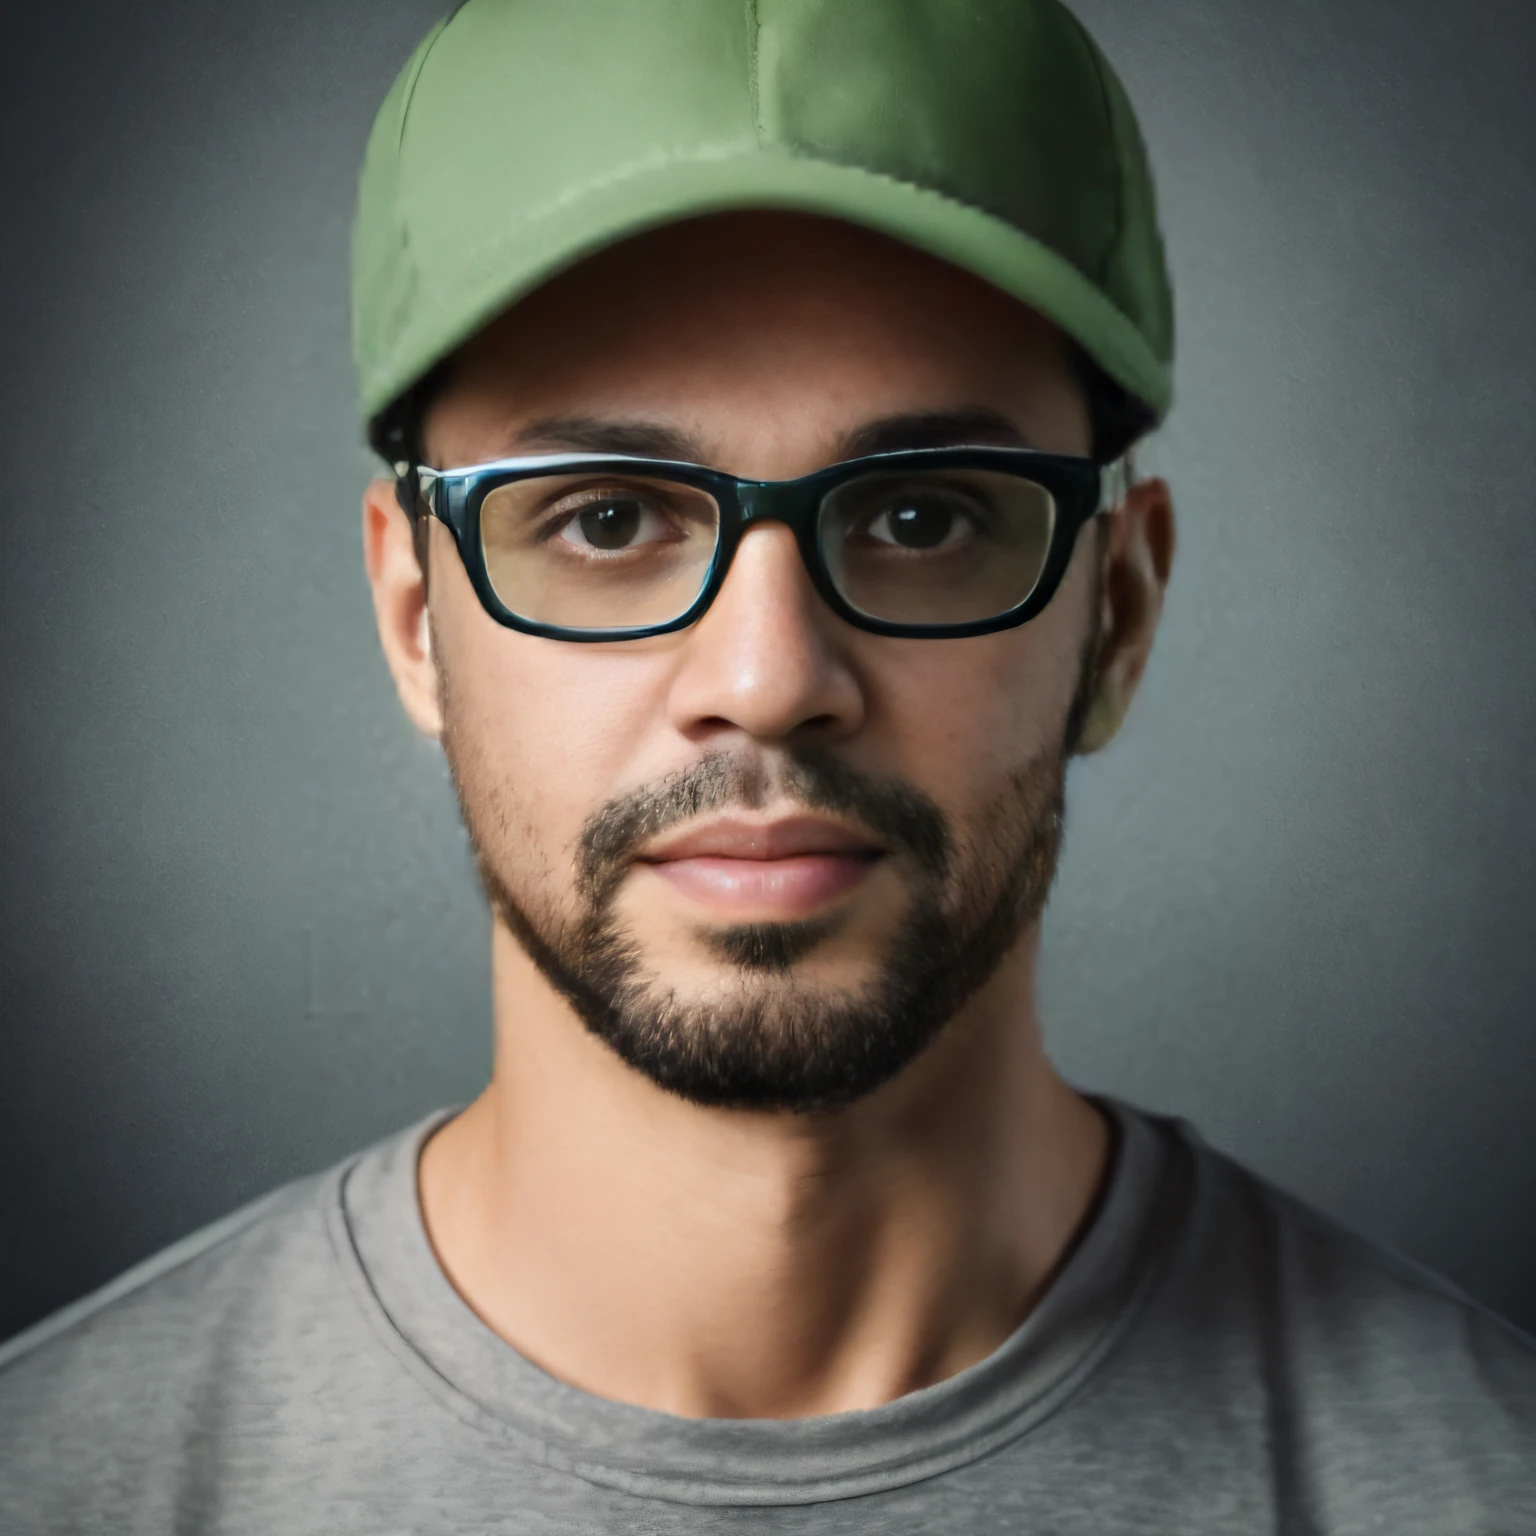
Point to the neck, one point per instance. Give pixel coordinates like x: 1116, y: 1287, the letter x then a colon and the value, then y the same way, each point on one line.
x: 714, y: 1263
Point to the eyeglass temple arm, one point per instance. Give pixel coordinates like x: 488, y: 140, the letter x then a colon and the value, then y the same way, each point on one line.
x: 1114, y: 483
x: 414, y: 484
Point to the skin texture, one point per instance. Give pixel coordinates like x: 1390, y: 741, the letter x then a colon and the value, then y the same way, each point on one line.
x: 706, y: 1259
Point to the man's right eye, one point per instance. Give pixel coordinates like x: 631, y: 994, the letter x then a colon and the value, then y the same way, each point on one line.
x: 614, y: 523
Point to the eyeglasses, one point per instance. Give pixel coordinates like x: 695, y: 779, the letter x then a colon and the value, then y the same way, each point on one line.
x: 925, y: 543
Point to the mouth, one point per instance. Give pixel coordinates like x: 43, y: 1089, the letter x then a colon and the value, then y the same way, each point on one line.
x: 765, y: 871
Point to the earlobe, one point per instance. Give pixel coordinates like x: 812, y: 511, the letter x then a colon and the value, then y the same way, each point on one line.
x: 1102, y: 722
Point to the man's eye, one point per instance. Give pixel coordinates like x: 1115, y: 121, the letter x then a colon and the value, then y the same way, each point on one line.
x: 615, y: 522
x: 921, y: 522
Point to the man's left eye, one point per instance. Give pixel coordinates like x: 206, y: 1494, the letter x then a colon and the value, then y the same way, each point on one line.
x: 920, y: 522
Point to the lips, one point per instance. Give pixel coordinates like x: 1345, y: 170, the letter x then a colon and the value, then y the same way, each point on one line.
x: 792, y: 837
x: 778, y: 870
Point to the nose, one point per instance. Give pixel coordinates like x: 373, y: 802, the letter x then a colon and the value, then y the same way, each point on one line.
x: 768, y: 657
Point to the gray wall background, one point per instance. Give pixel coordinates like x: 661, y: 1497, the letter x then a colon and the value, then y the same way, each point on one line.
x: 239, y: 931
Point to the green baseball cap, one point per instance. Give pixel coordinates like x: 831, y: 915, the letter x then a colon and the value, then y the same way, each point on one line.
x: 524, y: 135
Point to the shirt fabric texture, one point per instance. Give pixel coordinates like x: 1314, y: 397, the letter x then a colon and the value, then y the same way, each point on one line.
x: 1213, y: 1356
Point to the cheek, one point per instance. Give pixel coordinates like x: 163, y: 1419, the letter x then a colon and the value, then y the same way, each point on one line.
x: 966, y: 712
x: 545, y: 733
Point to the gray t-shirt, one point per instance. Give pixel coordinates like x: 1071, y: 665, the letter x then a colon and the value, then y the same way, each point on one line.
x: 1212, y: 1357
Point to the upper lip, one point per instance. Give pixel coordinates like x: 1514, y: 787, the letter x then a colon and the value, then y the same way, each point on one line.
x: 735, y: 839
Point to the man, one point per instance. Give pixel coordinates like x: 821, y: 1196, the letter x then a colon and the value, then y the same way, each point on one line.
x: 757, y: 380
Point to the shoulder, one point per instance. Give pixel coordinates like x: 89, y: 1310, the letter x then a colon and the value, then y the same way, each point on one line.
x: 1370, y: 1373
x: 226, y: 1326
x: 176, y: 1289
x: 1326, y: 1280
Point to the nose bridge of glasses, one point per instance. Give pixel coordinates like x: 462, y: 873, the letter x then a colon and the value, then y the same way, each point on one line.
x: 790, y: 502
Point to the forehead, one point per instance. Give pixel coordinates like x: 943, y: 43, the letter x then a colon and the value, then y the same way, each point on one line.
x: 743, y: 323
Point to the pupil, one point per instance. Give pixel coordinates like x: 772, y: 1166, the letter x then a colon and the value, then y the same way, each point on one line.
x: 920, y: 525
x: 610, y: 524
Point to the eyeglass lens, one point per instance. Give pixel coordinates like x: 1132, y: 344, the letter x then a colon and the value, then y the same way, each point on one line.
x: 910, y: 547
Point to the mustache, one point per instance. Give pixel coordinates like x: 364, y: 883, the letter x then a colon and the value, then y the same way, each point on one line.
x: 899, y: 815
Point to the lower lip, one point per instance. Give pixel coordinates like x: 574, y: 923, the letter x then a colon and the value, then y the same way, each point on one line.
x: 774, y: 888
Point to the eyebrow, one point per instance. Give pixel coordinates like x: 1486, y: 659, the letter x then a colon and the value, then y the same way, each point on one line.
x: 590, y: 434
x: 932, y: 429
x: 885, y: 434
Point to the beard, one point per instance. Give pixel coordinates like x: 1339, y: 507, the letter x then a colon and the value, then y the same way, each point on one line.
x: 766, y: 1038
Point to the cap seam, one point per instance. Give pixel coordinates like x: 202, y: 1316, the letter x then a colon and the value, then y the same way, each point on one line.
x: 401, y: 273
x: 754, y: 32
x: 408, y: 94
x: 1096, y: 63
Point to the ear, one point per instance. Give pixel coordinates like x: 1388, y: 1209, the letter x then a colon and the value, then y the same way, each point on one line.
x: 1137, y: 563
x: 400, y: 604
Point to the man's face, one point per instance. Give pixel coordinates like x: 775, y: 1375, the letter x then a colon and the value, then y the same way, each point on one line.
x: 622, y: 796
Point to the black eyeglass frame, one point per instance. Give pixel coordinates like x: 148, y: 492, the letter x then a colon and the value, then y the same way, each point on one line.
x: 1081, y: 489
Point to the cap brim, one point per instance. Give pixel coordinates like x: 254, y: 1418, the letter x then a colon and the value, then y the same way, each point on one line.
x: 547, y: 241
